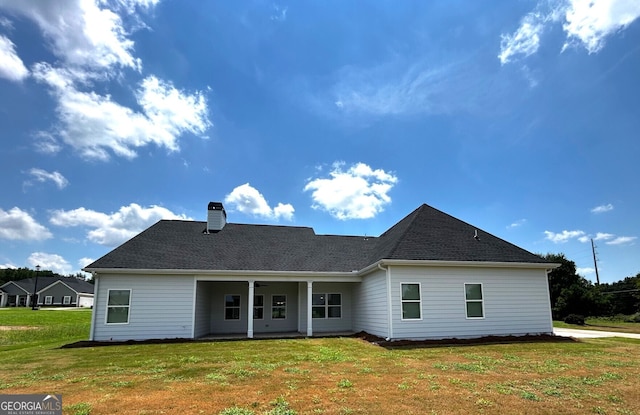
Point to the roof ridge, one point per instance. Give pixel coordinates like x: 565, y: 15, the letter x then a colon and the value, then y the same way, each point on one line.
x: 415, y: 214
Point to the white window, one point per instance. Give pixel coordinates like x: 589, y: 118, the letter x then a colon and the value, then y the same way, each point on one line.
x: 48, y: 300
x: 258, y: 307
x: 232, y: 307
x: 66, y: 300
x: 474, y: 300
x: 326, y: 306
x: 278, y: 307
x: 118, y: 304
x: 411, y: 301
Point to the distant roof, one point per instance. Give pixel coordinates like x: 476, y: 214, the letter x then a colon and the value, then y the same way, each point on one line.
x: 28, y: 284
x: 425, y: 234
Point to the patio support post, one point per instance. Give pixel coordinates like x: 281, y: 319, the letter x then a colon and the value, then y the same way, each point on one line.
x: 250, y: 310
x: 309, y: 308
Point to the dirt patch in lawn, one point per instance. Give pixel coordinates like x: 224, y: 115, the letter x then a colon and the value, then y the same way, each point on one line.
x: 7, y: 328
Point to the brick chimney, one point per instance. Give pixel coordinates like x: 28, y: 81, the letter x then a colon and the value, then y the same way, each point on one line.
x: 216, y: 217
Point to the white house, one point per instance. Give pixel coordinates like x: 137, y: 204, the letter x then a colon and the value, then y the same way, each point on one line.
x: 430, y: 276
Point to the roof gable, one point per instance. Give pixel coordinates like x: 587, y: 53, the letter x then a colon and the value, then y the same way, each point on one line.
x: 74, y: 284
x: 27, y: 285
x: 429, y: 234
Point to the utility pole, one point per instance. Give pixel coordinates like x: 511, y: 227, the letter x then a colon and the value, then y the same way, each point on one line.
x: 595, y: 261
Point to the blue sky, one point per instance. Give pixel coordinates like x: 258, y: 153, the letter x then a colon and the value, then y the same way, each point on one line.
x: 520, y: 118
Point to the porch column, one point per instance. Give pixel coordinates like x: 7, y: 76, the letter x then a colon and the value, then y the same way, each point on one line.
x: 250, y: 310
x: 309, y: 308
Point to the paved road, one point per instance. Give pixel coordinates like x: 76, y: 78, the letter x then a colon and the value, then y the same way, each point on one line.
x: 592, y: 334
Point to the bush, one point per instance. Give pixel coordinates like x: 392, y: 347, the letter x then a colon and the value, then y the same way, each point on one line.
x: 574, y: 319
x: 634, y: 318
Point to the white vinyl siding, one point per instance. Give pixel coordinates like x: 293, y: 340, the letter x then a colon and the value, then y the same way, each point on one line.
x: 370, y: 312
x: 203, y: 311
x: 161, y: 306
x: 515, y: 302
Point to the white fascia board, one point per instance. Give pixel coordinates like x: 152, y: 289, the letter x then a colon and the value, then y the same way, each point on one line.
x: 222, y: 275
x: 466, y: 264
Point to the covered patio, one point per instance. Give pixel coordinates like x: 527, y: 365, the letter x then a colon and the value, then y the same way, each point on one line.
x: 272, y: 308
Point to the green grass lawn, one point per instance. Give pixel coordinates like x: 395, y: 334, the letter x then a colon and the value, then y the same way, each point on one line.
x: 602, y: 323
x: 313, y: 376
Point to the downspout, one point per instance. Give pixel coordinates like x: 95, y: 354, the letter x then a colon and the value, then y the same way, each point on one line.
x: 389, y: 303
x: 96, y: 283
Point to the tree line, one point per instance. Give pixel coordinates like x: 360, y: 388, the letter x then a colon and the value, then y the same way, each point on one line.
x: 572, y: 294
x: 15, y: 274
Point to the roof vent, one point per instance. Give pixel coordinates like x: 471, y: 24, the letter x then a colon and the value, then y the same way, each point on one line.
x: 216, y: 217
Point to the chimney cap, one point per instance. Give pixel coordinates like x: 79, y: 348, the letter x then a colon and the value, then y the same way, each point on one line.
x: 215, y: 206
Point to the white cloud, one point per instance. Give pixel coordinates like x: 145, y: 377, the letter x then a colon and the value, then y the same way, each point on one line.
x: 43, y: 176
x: 622, y: 240
x: 602, y: 208
x: 250, y: 201
x: 115, y: 228
x: 583, y: 237
x: 11, y: 66
x: 589, y: 23
x: 603, y: 236
x: 81, y: 32
x: 585, y: 271
x: 586, y: 23
x: 525, y: 41
x: 83, y: 262
x: 8, y: 266
x: 397, y: 88
x: 517, y: 224
x: 93, y: 124
x: 563, y: 236
x: 92, y: 45
x: 356, y: 193
x: 16, y: 224
x: 52, y: 262
x: 279, y: 13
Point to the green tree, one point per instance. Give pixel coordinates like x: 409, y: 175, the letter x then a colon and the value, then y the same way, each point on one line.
x: 570, y: 293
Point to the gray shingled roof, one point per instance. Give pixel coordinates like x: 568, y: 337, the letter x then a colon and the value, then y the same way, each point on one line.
x: 28, y: 284
x: 425, y: 234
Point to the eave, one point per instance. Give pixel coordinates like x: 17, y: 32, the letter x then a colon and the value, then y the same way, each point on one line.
x: 219, y: 275
x: 355, y: 275
x: 457, y: 264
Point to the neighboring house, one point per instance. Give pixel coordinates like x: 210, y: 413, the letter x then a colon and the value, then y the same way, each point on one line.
x: 429, y: 276
x: 51, y: 292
